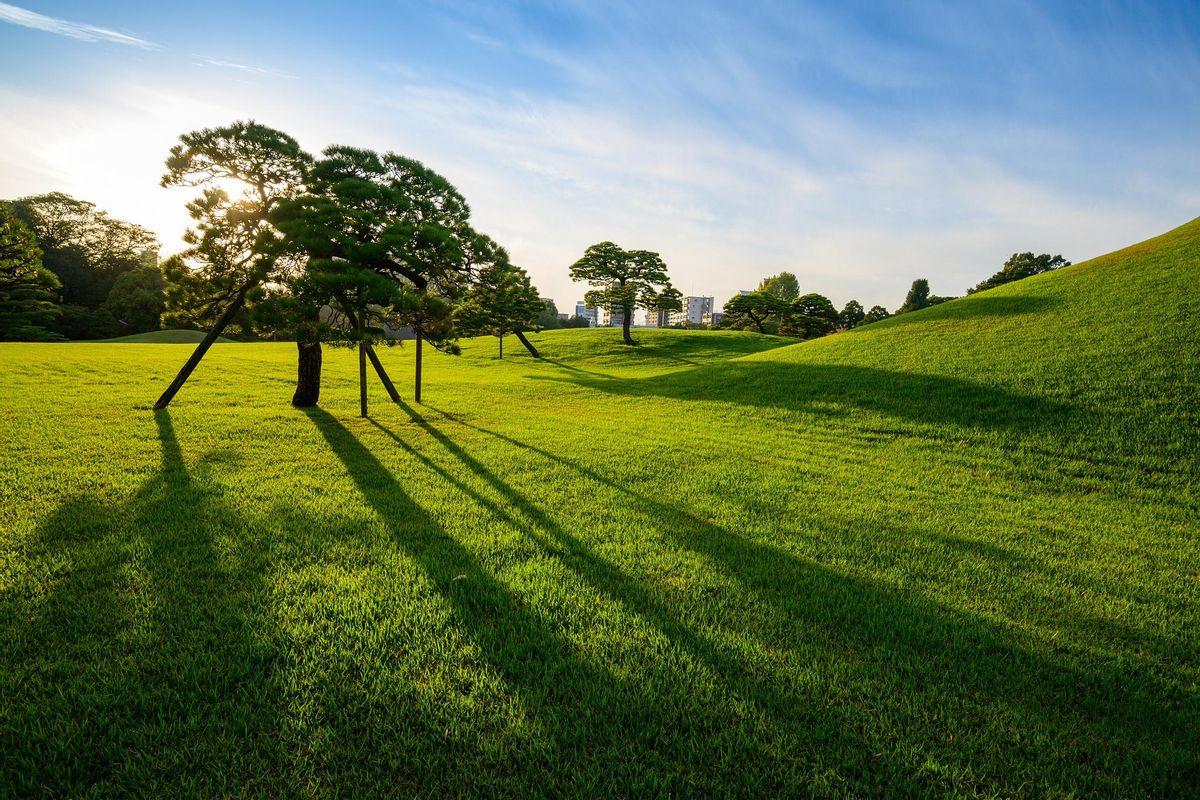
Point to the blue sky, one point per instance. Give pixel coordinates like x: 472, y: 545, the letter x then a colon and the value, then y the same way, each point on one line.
x: 859, y: 145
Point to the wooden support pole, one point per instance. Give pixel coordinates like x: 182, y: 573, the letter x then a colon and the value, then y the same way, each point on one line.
x: 417, y: 393
x: 165, y: 399
x: 362, y: 379
x: 383, y: 376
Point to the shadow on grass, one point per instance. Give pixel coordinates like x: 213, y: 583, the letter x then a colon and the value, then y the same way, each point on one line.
x: 140, y: 665
x: 977, y: 307
x: 821, y: 388
x: 914, y: 652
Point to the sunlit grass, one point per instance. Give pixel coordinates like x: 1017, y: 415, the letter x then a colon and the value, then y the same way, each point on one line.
x: 951, y: 554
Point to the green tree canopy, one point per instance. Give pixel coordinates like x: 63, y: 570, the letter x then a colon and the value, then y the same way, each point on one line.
x: 757, y: 309
x: 623, y: 279
x: 785, y: 286
x: 851, y: 315
x: 875, y: 314
x: 1022, y: 265
x: 501, y: 300
x: 917, y: 297
x: 809, y: 316
x: 136, y: 300
x: 27, y: 289
x: 85, y: 247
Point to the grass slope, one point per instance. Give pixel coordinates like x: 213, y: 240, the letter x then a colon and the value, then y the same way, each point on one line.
x: 951, y: 554
x: 181, y: 336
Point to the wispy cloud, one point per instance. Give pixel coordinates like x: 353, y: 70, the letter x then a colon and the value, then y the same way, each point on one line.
x: 248, y: 68
x: 74, y: 30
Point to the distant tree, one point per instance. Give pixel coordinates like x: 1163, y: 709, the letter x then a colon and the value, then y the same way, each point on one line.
x: 1022, y: 265
x: 548, y: 316
x: 79, y: 323
x: 917, y: 297
x: 809, y: 316
x: 234, y: 248
x: 136, y: 299
x: 27, y: 289
x: 756, y: 309
x: 875, y: 314
x: 624, y: 280
x: 668, y: 300
x: 575, y: 321
x: 502, y: 300
x: 86, y: 248
x: 785, y: 286
x: 852, y: 315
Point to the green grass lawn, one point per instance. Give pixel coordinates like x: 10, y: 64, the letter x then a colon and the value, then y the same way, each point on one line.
x: 180, y: 336
x: 951, y: 554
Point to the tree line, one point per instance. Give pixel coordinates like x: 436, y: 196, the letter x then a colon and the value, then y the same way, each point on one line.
x: 777, y: 306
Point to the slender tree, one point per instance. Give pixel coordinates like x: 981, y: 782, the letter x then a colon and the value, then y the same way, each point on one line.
x: 233, y: 245
x: 785, y: 286
x: 624, y: 279
x: 27, y: 289
x: 756, y: 310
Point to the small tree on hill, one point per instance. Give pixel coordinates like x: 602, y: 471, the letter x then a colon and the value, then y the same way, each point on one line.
x: 875, y: 314
x: 917, y: 297
x: 501, y: 301
x: 624, y: 280
x: 27, y: 289
x: 785, y: 286
x: 852, y: 315
x: 756, y: 309
x: 1022, y: 265
x: 809, y: 316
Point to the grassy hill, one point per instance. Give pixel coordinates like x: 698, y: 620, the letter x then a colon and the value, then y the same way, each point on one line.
x: 166, y: 337
x: 950, y: 554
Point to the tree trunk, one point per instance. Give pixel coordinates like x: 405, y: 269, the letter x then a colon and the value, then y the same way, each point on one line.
x: 417, y: 393
x: 628, y: 318
x: 528, y: 344
x: 308, y: 375
x: 202, y: 348
x: 383, y: 376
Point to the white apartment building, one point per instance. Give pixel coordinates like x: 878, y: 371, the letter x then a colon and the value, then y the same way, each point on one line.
x: 695, y: 311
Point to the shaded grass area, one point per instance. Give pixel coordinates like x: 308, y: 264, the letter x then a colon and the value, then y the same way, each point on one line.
x: 166, y: 337
x: 911, y: 560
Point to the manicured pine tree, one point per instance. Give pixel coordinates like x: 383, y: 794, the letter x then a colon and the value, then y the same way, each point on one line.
x: 756, y: 309
x: 501, y: 300
x: 27, y: 289
x: 233, y: 247
x: 624, y: 279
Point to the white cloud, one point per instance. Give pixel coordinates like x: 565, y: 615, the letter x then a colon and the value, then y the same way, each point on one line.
x: 73, y: 30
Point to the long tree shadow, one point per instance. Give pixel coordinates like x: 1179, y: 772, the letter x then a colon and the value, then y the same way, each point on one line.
x: 140, y: 669
x: 908, y: 645
x: 978, y: 307
x: 639, y: 735
x: 819, y: 388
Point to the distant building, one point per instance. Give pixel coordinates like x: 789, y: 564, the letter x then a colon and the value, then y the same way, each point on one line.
x: 613, y: 318
x: 564, y: 316
x: 590, y: 313
x: 695, y: 311
x: 716, y: 318
x: 658, y: 318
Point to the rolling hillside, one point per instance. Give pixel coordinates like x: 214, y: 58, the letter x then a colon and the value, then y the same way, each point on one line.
x: 950, y: 554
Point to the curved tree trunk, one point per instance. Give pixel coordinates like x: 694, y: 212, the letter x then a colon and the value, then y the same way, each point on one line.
x: 383, y: 376
x: 308, y: 375
x: 628, y: 318
x: 528, y: 344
